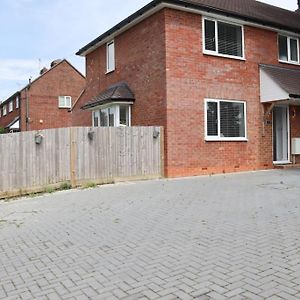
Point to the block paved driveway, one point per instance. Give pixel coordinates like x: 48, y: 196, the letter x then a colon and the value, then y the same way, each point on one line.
x: 223, y: 237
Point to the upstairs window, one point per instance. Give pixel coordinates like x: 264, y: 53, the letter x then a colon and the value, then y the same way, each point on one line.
x: 110, y: 57
x: 17, y: 102
x: 288, y: 49
x: 225, y: 120
x: 4, y: 110
x: 10, y: 106
x: 223, y: 39
x: 64, y: 101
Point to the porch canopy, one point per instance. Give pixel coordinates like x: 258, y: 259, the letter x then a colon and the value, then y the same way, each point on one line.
x: 279, y: 85
x: 117, y: 93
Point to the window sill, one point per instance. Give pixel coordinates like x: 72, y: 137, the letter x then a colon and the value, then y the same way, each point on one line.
x: 64, y: 107
x: 289, y: 62
x: 223, y: 55
x: 207, y: 139
x: 110, y: 71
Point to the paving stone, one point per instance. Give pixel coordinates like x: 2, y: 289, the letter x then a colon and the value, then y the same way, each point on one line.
x: 219, y: 237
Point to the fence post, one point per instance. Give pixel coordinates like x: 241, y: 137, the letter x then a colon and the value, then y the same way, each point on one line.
x: 73, y: 152
x: 162, y: 152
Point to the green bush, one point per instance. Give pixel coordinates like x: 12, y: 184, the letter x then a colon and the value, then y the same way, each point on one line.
x: 65, y: 186
x: 2, y: 130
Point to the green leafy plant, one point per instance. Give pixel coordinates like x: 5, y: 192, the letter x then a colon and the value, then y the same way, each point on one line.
x: 49, y: 190
x: 2, y: 130
x: 65, y: 186
x: 90, y: 185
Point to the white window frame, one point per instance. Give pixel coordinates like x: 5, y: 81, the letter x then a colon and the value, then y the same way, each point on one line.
x: 289, y: 54
x: 10, y: 106
x: 17, y: 102
x: 218, y: 137
x: 109, y: 68
x: 116, y: 106
x: 4, y: 110
x: 65, y: 101
x: 216, y: 53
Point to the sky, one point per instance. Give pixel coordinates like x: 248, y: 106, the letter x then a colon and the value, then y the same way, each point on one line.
x: 35, y: 32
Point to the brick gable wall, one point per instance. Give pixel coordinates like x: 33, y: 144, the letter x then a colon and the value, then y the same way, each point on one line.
x: 140, y: 61
x: 43, y: 94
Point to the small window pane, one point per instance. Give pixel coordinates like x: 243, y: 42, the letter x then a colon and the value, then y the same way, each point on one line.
x: 111, y: 115
x: 294, y: 50
x: 283, y: 48
x: 10, y: 106
x: 96, y: 118
x: 212, y: 119
x: 210, y: 35
x: 232, y: 118
x: 103, y: 118
x: 124, y: 115
x: 230, y: 39
x: 68, y: 102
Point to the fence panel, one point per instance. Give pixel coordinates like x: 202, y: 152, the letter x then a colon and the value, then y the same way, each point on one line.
x: 78, y: 154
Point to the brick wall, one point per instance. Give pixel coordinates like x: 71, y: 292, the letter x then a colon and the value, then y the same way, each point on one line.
x: 44, y: 113
x: 295, y: 125
x: 162, y: 61
x: 140, y: 61
x: 193, y: 76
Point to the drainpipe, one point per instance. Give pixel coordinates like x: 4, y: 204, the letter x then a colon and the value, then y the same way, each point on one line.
x: 27, y: 105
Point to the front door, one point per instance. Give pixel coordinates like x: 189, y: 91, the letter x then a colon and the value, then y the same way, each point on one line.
x: 281, y: 134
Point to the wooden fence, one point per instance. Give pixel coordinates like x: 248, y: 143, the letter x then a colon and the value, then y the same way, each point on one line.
x: 32, y: 161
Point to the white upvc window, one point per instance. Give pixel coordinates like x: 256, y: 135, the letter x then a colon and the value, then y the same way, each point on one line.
x: 288, y: 49
x: 4, y: 110
x: 17, y: 102
x: 10, y: 106
x: 110, y: 57
x: 112, y: 116
x: 225, y: 120
x: 64, y: 101
x: 223, y: 39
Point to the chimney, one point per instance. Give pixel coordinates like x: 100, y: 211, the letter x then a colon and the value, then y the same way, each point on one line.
x: 44, y: 70
x: 57, y: 61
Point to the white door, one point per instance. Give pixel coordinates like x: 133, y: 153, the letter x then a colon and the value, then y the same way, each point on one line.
x: 281, y: 134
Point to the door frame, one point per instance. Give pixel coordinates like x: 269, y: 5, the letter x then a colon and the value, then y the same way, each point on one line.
x: 288, y: 136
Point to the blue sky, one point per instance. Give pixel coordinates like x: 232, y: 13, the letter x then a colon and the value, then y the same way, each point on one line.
x: 35, y: 32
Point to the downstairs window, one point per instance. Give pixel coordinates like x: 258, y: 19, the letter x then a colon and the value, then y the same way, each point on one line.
x: 225, y: 120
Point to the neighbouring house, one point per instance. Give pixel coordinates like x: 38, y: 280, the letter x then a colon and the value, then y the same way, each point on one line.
x: 222, y: 77
x: 45, y: 102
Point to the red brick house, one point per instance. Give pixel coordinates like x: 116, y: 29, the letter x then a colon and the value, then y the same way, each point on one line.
x: 222, y: 77
x: 45, y: 102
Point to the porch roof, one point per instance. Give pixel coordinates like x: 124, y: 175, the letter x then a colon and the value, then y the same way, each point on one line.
x: 14, y: 124
x: 279, y: 84
x: 119, y: 92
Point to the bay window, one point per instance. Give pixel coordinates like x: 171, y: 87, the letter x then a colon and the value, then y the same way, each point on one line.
x: 115, y: 115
